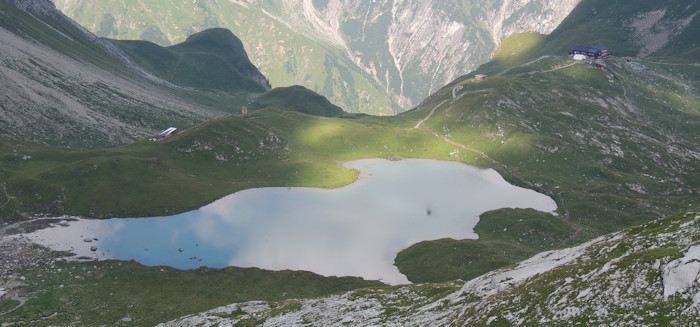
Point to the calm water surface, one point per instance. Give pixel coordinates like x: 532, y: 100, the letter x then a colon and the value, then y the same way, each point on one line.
x: 355, y: 230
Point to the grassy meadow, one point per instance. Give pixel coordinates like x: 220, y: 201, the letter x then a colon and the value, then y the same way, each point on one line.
x: 126, y: 293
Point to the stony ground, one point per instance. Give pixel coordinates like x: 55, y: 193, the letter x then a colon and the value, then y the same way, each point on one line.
x: 643, y: 276
x: 18, y: 254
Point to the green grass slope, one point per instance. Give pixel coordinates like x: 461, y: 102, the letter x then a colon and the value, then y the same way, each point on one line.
x: 118, y: 293
x: 212, y: 59
x: 297, y: 98
x: 505, y: 236
x: 614, y: 147
x: 635, y: 29
x: 266, y: 148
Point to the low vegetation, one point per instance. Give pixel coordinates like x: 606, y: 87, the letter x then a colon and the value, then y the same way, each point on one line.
x: 505, y: 236
x: 126, y: 293
x: 266, y: 148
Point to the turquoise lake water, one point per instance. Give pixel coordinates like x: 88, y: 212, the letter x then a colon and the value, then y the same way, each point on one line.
x: 355, y: 230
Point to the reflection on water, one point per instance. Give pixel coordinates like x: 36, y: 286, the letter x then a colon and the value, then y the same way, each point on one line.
x: 351, y: 231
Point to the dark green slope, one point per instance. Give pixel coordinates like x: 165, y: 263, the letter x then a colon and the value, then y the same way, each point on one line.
x: 212, y: 59
x: 297, y: 98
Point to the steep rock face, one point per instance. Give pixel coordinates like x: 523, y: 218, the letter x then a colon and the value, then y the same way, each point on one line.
x: 415, y: 47
x: 381, y: 56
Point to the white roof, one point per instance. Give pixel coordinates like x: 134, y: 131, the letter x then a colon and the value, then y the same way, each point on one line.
x: 167, y: 131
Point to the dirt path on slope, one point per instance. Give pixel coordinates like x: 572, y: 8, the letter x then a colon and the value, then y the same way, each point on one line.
x: 7, y: 195
x: 551, y: 193
x: 429, y: 115
x: 553, y: 69
x: 498, y: 164
x: 12, y: 294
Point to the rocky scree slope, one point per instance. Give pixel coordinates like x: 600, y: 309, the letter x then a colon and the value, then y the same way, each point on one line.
x: 377, y: 57
x: 642, y: 276
x: 62, y: 85
x: 641, y: 28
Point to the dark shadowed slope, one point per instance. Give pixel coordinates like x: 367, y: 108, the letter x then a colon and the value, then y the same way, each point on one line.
x: 212, y: 59
x: 298, y: 98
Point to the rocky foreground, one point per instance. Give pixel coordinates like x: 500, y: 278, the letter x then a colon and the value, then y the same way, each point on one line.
x: 18, y: 253
x: 642, y: 276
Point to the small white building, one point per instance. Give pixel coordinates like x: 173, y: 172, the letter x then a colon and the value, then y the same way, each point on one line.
x: 579, y: 57
x: 168, y: 132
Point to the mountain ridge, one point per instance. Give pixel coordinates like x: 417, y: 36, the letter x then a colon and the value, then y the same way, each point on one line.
x: 64, y: 86
x: 211, y: 59
x: 379, y: 57
x: 66, y: 77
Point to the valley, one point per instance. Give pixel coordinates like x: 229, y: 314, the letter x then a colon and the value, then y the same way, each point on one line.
x: 615, y: 147
x: 375, y: 57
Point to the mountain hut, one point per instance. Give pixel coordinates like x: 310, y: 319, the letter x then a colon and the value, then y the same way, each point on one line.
x: 597, y: 51
x: 168, y: 132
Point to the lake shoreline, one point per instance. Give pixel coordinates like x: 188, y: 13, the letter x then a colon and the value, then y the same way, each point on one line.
x: 354, y: 230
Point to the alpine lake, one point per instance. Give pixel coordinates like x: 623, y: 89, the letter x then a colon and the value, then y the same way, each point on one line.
x: 355, y: 230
